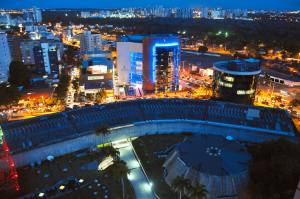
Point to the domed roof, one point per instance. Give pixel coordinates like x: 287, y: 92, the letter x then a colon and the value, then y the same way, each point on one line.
x: 214, y: 155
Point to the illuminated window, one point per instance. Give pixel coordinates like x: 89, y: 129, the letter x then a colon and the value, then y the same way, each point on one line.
x: 228, y: 85
x: 136, y: 68
x: 229, y: 79
x: 240, y: 92
x: 245, y: 92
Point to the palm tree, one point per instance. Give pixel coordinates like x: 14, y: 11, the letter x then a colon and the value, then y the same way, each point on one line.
x: 101, y: 96
x: 118, y: 170
x: 198, y: 191
x: 110, y: 150
x: 102, y: 130
x: 294, y: 103
x: 179, y: 184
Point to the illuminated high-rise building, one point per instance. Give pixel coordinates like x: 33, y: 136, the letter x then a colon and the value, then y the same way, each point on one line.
x: 5, y: 19
x: 5, y: 57
x: 90, y: 42
x: 44, y: 54
x: 161, y: 63
x: 148, y: 63
x: 37, y: 14
x: 235, y: 81
x: 14, y: 43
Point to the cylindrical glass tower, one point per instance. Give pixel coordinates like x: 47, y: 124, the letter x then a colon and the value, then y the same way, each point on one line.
x: 235, y: 81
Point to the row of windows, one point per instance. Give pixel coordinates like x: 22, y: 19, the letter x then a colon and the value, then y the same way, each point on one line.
x: 228, y: 85
x: 277, y: 80
x: 245, y: 92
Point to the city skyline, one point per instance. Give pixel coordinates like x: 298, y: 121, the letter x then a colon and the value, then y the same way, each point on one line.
x: 227, y: 4
x: 149, y: 99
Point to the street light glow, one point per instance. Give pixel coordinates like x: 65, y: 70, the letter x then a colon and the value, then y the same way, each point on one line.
x: 62, y: 187
x: 131, y: 176
x: 133, y: 164
x: 148, y: 186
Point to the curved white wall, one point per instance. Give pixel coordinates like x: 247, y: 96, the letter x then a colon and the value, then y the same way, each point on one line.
x: 140, y: 129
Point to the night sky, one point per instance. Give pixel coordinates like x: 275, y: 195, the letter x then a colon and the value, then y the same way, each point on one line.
x: 251, y: 4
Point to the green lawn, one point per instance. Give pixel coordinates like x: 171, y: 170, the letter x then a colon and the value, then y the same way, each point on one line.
x: 145, y: 147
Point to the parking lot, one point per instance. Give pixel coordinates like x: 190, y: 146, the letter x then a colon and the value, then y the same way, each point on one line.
x: 71, y: 176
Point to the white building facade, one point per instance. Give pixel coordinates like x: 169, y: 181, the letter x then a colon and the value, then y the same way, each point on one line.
x: 125, y: 59
x: 90, y: 42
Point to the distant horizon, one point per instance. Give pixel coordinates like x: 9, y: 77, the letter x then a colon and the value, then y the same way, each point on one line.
x: 136, y: 7
x: 278, y: 5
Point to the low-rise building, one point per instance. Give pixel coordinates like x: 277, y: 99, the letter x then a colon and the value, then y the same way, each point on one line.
x: 277, y: 77
x: 97, y: 73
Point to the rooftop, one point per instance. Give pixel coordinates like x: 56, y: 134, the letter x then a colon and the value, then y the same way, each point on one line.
x: 98, y: 61
x: 214, y: 155
x: 40, y: 131
x: 239, y: 67
x: 278, y: 74
x: 96, y: 53
x: 203, y: 60
x: 138, y: 38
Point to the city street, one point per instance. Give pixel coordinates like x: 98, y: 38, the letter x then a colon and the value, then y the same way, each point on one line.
x: 141, y: 186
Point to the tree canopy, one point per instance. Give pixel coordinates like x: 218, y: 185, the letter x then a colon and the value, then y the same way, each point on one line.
x: 9, y: 94
x: 64, y: 81
x: 274, y: 170
x: 110, y: 151
x: 119, y: 169
x: 179, y: 184
x: 19, y: 74
x: 101, y: 96
x: 102, y: 130
x: 70, y: 56
x: 295, y: 103
x: 202, y: 49
x: 198, y: 191
x: 235, y: 33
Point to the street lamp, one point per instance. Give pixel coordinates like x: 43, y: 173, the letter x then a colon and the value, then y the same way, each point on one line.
x: 148, y: 186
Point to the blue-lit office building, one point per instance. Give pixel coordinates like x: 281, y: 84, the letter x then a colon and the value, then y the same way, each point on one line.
x: 161, y: 63
x: 148, y: 63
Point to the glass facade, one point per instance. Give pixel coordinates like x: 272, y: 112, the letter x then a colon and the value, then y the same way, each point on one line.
x: 136, y: 68
x: 234, y: 88
x: 136, y: 73
x: 166, y: 63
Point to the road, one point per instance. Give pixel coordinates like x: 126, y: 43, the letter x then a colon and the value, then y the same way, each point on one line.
x: 71, y: 91
x: 141, y: 186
